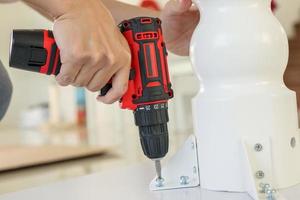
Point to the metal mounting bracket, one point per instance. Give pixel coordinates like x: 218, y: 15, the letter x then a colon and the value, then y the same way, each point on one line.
x: 182, y: 170
x: 259, y: 159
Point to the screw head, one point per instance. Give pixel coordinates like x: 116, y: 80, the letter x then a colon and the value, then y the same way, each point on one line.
x: 267, y: 186
x: 268, y: 191
x: 184, y: 180
x: 293, y: 142
x: 270, y: 194
x: 159, y: 182
x: 260, y: 175
x: 258, y: 147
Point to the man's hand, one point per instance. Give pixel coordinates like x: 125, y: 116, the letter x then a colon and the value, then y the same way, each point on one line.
x: 92, y: 49
x: 180, y: 19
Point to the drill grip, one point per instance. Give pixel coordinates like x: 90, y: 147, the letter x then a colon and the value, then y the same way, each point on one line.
x: 37, y: 51
x: 34, y: 50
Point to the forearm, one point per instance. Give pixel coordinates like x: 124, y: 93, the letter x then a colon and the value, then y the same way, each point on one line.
x: 51, y: 8
x: 121, y: 11
x: 7, y: 1
x: 54, y: 8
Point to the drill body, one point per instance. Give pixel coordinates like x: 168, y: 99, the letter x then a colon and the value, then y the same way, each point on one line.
x: 149, y: 86
x: 149, y: 89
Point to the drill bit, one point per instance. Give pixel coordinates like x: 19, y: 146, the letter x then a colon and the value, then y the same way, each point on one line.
x: 158, y: 169
x: 159, y: 179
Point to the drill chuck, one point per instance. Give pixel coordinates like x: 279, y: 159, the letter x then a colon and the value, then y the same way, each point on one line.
x: 152, y: 122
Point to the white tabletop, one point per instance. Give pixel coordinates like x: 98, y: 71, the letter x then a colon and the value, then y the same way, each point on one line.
x: 130, y: 183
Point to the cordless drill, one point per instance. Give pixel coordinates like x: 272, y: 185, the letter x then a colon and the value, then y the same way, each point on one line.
x: 149, y: 86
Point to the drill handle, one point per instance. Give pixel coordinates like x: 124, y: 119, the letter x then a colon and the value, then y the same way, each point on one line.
x: 34, y: 50
x: 105, y: 89
x: 37, y: 51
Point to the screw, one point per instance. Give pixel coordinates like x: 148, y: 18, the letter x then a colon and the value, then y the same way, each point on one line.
x: 264, y: 187
x: 270, y: 194
x: 260, y: 174
x: 159, y: 182
x: 258, y: 147
x: 293, y: 142
x: 184, y: 180
x: 268, y: 191
x: 267, y: 186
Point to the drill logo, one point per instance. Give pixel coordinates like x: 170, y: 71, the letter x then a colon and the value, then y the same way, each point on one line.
x: 160, y: 106
x: 148, y: 107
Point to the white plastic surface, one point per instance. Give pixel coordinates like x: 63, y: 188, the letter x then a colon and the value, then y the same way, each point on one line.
x: 239, y: 52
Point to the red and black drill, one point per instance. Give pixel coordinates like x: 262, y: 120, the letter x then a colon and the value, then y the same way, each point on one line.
x: 149, y: 86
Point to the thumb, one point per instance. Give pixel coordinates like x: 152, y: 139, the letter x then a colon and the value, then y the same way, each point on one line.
x: 179, y: 6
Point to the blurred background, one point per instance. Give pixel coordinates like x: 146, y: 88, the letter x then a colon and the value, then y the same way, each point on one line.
x: 48, y: 124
